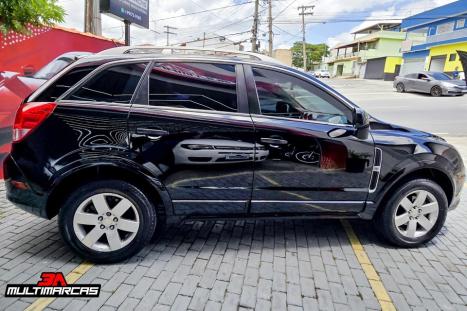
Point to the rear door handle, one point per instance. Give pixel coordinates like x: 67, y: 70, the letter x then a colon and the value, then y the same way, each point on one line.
x: 273, y: 141
x: 153, y: 134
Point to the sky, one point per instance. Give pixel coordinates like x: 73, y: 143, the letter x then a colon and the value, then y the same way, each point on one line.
x: 331, y: 22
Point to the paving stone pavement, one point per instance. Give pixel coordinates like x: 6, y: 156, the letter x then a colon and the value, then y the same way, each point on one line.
x: 240, y: 265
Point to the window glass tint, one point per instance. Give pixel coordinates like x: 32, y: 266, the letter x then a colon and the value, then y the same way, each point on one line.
x: 283, y: 95
x: 64, y: 83
x: 194, y: 86
x: 49, y: 70
x: 115, y: 84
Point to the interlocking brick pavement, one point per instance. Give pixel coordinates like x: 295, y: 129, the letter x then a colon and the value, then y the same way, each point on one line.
x: 254, y: 264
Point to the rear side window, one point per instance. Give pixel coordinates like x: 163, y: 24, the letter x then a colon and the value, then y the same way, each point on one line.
x: 64, y: 83
x: 194, y: 86
x: 115, y: 84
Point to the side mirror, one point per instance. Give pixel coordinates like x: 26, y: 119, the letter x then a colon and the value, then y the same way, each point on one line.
x: 28, y: 70
x: 362, y: 123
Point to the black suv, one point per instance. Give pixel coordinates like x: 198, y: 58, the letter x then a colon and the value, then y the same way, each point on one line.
x: 117, y: 145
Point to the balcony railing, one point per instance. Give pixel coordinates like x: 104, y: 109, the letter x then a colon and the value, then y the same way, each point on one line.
x: 457, y: 34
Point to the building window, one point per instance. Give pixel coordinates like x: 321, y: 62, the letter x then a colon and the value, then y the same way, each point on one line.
x: 452, y: 57
x: 460, y: 23
x: 445, y: 28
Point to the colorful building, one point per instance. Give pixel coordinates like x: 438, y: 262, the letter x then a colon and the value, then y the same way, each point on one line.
x: 373, y: 54
x: 441, y: 32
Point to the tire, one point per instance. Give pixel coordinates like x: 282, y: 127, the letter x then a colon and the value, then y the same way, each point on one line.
x: 436, y: 91
x: 400, y: 87
x: 385, y: 221
x: 139, y: 218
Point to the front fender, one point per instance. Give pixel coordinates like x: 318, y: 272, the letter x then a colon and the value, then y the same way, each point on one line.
x: 413, y: 164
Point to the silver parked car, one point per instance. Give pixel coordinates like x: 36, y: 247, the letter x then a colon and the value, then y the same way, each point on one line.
x: 434, y: 83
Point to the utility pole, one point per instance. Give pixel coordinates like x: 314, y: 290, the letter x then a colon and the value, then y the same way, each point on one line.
x: 127, y: 32
x: 304, y: 9
x: 254, y: 29
x: 168, y: 32
x: 92, y: 17
x: 204, y: 38
x: 270, y: 27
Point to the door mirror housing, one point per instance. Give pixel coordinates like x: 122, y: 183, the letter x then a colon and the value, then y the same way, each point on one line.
x: 362, y: 123
x: 361, y: 118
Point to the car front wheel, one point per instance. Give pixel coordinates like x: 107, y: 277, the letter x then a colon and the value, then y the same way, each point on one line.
x: 107, y: 221
x: 414, y: 214
x: 400, y: 87
x: 436, y: 91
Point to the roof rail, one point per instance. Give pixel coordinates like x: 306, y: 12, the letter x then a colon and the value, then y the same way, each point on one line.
x: 175, y: 50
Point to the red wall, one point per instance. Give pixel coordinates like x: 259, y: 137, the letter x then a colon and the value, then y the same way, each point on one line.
x: 36, y: 49
x: 44, y: 44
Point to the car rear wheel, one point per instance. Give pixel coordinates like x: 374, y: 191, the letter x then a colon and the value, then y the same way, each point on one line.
x: 436, y: 91
x: 400, y: 87
x: 107, y: 221
x: 414, y: 214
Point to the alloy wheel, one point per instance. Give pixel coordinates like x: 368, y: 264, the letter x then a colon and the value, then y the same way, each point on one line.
x: 106, y: 222
x: 436, y: 91
x: 416, y: 214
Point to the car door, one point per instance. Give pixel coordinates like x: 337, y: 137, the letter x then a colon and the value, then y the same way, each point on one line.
x: 423, y: 83
x: 410, y: 81
x: 310, y: 158
x: 186, y: 126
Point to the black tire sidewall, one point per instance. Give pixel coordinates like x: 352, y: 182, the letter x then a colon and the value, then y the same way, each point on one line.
x: 400, y: 87
x: 386, y: 221
x: 146, y: 213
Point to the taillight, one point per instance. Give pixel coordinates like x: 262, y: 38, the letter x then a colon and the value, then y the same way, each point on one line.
x: 29, y: 117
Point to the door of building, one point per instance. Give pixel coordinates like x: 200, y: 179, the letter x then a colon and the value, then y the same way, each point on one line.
x: 437, y: 63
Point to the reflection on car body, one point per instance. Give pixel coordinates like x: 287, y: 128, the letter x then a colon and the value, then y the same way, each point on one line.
x: 220, y: 151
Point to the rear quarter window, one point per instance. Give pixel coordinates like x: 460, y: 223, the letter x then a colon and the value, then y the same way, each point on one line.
x: 62, y: 85
x: 115, y: 84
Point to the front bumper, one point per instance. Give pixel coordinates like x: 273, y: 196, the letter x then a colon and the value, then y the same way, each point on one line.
x: 20, y: 193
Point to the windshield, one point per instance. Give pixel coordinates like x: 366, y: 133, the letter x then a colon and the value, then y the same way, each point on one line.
x: 52, y: 68
x: 440, y: 76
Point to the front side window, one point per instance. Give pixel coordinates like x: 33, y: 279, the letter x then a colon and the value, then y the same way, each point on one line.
x: 194, y: 86
x: 283, y: 95
x: 115, y: 84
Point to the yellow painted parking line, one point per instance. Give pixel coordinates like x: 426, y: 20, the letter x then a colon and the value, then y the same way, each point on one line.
x: 42, y: 303
x: 373, y: 277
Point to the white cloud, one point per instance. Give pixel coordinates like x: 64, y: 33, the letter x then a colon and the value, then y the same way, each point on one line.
x: 396, y: 12
x: 239, y: 18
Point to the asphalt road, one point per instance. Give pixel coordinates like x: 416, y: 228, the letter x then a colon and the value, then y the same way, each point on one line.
x: 445, y: 116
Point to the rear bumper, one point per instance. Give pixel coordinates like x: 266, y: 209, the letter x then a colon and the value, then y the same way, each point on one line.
x: 20, y: 193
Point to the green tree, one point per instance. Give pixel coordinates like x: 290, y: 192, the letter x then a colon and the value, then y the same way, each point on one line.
x: 16, y: 15
x: 314, y: 52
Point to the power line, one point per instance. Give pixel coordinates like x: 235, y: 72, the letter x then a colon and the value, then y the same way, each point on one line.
x: 204, y: 11
x: 214, y: 37
x: 283, y: 10
x: 168, y: 32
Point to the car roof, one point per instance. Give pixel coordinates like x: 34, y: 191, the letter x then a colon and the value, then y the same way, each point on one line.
x: 198, y: 58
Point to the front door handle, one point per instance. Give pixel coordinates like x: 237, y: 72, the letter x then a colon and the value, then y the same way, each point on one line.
x: 273, y: 141
x: 335, y: 133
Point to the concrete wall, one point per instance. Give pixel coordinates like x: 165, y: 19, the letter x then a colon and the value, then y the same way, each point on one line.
x: 283, y: 55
